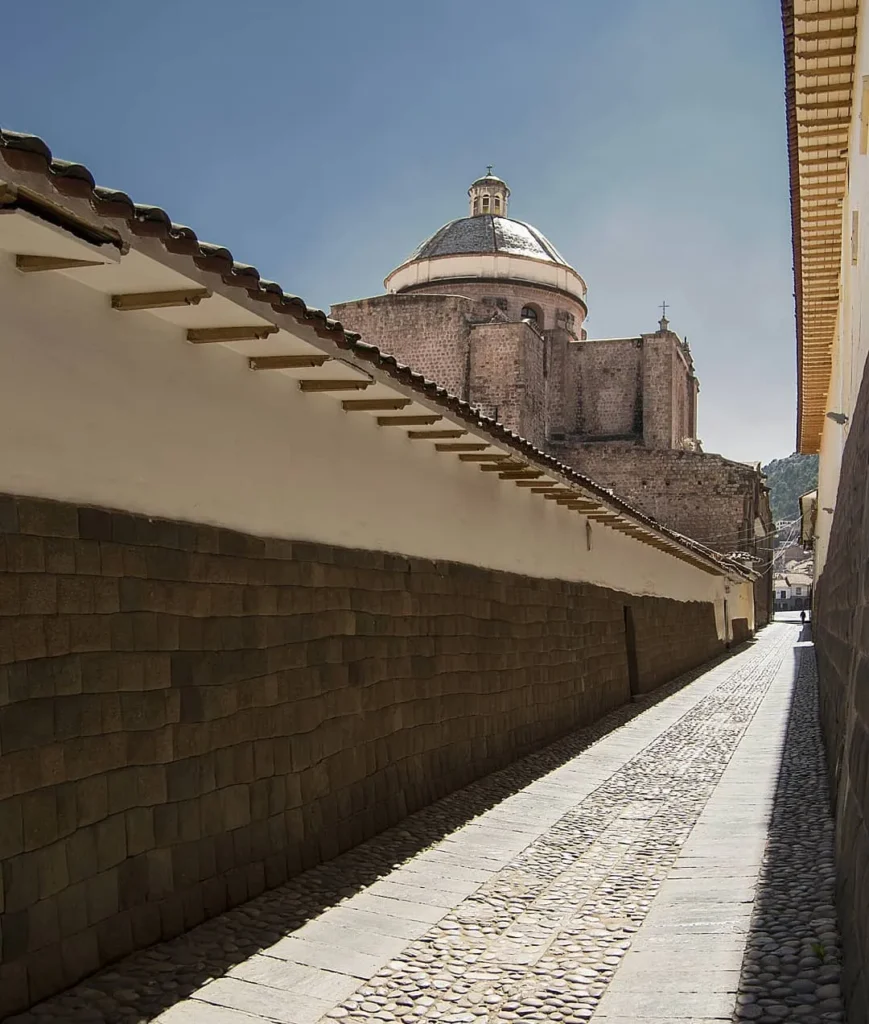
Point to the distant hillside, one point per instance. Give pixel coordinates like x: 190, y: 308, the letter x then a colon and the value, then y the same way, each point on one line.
x: 788, y: 479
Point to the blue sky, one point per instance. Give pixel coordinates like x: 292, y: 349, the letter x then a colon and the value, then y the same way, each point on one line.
x: 322, y: 140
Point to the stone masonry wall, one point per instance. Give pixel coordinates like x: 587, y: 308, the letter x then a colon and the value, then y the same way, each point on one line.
x: 841, y: 634
x: 511, y: 296
x: 704, y: 496
x: 659, y: 638
x: 507, y: 377
x: 700, y: 495
x: 428, y: 332
x: 609, y: 383
x: 189, y: 715
x: 560, y: 383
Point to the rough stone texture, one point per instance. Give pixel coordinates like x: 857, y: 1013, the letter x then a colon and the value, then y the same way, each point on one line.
x: 609, y: 381
x: 506, y: 376
x: 618, y: 410
x: 429, y: 332
x: 190, y: 715
x: 704, y: 496
x: 841, y: 625
x: 520, y: 897
x: 669, y: 391
x: 554, y: 309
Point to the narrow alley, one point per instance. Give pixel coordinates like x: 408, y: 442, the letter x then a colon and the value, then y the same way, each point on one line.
x: 671, y: 863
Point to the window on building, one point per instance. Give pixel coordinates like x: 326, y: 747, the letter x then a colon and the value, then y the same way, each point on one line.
x: 782, y: 595
x: 485, y: 204
x: 497, y: 204
x: 799, y: 591
x: 534, y: 314
x: 476, y: 206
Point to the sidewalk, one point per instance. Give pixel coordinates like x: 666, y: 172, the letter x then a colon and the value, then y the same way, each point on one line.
x: 612, y: 876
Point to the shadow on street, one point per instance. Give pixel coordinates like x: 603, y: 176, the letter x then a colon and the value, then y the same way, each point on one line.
x: 791, y: 966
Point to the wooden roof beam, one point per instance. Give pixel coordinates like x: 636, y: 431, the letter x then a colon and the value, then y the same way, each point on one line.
x: 35, y: 264
x: 374, y: 404
x: 820, y: 90
x: 828, y: 146
x: 810, y: 128
x: 825, y: 33
x: 285, y: 362
x: 407, y: 421
x: 209, y: 335
x: 159, y: 300
x: 811, y: 16
x: 846, y: 50
x: 838, y: 173
x: 466, y: 447
x: 434, y: 435
x: 826, y: 104
x: 830, y: 70
x: 813, y: 160
x: 504, y: 464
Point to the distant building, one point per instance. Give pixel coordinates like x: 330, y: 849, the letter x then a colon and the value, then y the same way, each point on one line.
x: 489, y: 308
x: 792, y: 592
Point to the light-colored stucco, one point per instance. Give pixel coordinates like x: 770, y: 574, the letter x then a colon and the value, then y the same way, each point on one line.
x: 487, y: 267
x: 740, y: 604
x: 116, y: 409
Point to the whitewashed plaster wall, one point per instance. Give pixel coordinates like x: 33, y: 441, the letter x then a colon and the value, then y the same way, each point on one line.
x: 851, y: 344
x: 114, y: 409
x: 487, y: 266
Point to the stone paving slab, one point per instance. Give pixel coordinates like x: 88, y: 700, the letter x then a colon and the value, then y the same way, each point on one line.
x: 611, y: 876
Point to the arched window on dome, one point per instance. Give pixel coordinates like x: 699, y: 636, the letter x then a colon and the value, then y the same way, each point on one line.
x: 497, y: 204
x: 534, y: 314
x: 485, y: 204
x: 476, y: 206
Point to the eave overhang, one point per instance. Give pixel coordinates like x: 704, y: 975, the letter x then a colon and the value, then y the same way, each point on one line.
x: 820, y: 46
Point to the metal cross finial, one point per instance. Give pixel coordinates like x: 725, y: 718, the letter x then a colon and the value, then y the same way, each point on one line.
x: 488, y: 170
x: 664, y: 309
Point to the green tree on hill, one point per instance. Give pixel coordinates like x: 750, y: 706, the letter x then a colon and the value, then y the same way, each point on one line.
x: 787, y: 480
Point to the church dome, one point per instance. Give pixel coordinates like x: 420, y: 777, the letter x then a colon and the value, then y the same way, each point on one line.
x: 487, y: 245
x: 487, y: 233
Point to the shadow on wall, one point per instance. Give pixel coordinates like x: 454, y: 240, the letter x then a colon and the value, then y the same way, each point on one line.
x: 791, y: 967
x: 132, y: 989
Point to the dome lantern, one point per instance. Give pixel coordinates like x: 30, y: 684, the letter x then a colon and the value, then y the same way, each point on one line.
x: 489, y: 195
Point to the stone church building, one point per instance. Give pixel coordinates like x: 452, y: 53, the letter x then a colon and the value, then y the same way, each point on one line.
x: 488, y: 308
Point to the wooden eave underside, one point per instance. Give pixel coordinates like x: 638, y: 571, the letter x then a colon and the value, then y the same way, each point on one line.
x: 820, y: 54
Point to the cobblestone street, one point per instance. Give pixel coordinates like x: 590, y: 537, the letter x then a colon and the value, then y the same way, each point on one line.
x: 654, y: 867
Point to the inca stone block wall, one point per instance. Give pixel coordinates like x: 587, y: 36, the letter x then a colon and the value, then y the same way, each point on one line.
x: 658, y: 638
x: 841, y: 634
x: 189, y: 715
